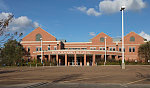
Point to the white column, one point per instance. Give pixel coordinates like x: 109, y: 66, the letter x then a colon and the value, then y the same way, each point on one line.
x: 105, y: 51
x: 41, y: 51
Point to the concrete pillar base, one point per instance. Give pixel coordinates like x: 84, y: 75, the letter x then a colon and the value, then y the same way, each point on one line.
x: 123, y: 66
x: 104, y: 63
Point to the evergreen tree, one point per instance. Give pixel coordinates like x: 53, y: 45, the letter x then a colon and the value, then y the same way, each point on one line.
x: 144, y: 51
x: 12, y: 53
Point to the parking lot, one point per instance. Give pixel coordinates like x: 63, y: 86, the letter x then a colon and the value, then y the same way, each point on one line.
x: 76, y: 76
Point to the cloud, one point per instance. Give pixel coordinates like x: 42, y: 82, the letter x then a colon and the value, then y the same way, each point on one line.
x: 144, y: 35
x: 113, y: 6
x: 90, y: 11
x: 82, y: 8
x: 3, y: 6
x: 92, y: 34
x: 21, y: 23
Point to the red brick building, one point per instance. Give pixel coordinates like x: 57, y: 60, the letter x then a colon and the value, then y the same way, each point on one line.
x: 79, y: 53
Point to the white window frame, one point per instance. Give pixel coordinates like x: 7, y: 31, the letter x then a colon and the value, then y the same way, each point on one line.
x: 48, y: 47
x: 92, y: 48
x: 28, y: 49
x: 134, y: 49
x: 130, y: 48
x: 113, y: 48
x: 120, y: 48
x: 55, y: 47
x: 101, y: 48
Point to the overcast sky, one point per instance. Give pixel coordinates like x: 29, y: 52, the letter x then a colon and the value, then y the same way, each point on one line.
x: 78, y: 20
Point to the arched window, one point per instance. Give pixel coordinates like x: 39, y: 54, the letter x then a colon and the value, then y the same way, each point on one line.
x: 38, y: 36
x: 132, y: 39
x: 101, y: 39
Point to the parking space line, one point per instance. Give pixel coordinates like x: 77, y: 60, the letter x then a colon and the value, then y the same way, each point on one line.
x: 136, y: 81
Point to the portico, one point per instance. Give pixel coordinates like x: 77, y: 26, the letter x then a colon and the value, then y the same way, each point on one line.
x: 76, y: 57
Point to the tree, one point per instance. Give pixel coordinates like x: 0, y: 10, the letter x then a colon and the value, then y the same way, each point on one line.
x: 144, y: 51
x: 4, y: 32
x: 4, y: 22
x: 12, y: 53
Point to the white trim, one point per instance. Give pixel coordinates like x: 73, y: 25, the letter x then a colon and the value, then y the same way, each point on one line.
x: 54, y: 47
x: 74, y: 47
x: 48, y: 47
x: 92, y: 48
x: 78, y: 50
x: 102, y: 48
x: 87, y: 45
x: 71, y: 43
x: 130, y: 44
x: 100, y: 45
x: 39, y: 44
x: 131, y: 55
x: 37, y: 41
x: 52, y: 41
x: 76, y: 42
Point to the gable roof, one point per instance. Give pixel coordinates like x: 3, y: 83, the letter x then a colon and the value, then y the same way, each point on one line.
x: 102, y: 33
x: 133, y: 33
x: 44, y: 34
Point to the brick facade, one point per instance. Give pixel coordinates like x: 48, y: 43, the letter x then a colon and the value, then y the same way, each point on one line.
x: 80, y: 53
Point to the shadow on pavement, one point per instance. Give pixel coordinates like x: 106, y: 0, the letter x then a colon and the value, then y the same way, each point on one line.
x: 2, y: 72
x: 66, y: 78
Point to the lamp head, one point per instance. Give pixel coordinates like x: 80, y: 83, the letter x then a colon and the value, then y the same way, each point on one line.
x: 123, y: 8
x: 40, y: 38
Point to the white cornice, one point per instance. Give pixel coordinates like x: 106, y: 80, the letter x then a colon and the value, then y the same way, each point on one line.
x: 76, y: 50
x: 37, y: 41
x: 76, y: 42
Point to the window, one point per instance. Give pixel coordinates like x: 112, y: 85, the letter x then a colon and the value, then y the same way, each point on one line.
x: 101, y: 39
x: 100, y: 48
x: 37, y: 49
x: 129, y: 49
x: 132, y: 39
x: 110, y: 49
x: 28, y: 49
x: 120, y: 49
x: 38, y: 36
x: 133, y: 49
x: 48, y: 47
x: 40, y: 49
x: 83, y: 48
x: 113, y: 49
x: 92, y: 48
x: 103, y: 48
x: 55, y: 47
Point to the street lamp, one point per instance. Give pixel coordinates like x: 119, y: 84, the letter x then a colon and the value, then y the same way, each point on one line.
x: 105, y: 51
x: 41, y: 50
x: 123, y: 64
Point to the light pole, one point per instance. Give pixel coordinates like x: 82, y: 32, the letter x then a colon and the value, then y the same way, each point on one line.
x: 123, y: 64
x: 41, y: 50
x: 105, y: 51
